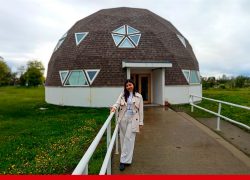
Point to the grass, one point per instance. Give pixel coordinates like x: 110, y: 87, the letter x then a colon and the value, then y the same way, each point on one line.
x: 236, y: 96
x: 50, y: 141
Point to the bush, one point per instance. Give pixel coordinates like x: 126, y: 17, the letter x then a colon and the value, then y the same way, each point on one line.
x: 222, y: 86
x: 5, y: 73
x: 33, y: 75
x: 240, y: 81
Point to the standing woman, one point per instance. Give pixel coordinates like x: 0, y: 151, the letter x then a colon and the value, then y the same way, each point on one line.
x: 130, y: 119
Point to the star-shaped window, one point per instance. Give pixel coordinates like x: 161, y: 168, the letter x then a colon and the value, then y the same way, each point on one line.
x: 126, y: 37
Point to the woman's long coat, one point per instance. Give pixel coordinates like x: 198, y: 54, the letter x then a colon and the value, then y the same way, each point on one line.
x: 137, y: 107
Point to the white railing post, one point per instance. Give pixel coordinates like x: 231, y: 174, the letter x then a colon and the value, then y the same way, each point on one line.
x: 192, y: 101
x: 86, y: 170
x: 82, y: 166
x: 109, y: 153
x: 218, y: 118
x: 108, y: 142
x: 108, y: 134
x: 116, y: 139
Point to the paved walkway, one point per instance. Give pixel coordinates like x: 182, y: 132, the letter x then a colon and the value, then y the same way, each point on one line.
x: 175, y: 143
x: 237, y: 136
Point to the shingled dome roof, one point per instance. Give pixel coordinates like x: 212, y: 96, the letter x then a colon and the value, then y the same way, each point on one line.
x: 95, y: 47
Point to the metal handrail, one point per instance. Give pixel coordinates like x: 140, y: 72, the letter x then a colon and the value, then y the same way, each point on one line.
x: 106, y: 162
x: 191, y: 102
x: 223, y: 102
x: 82, y: 167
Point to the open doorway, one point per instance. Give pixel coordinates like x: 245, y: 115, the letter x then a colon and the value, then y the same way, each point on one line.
x: 143, y: 86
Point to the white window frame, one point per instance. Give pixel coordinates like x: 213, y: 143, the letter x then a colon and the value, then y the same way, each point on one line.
x: 86, y: 33
x: 118, y: 35
x: 65, y: 35
x: 97, y: 72
x: 137, y: 32
x: 60, y: 41
x: 76, y: 85
x: 199, y: 76
x: 124, y: 26
x: 196, y: 72
x: 67, y: 71
x: 189, y: 76
x: 185, y: 70
x: 126, y: 35
x: 182, y: 39
x: 128, y: 41
x: 133, y: 41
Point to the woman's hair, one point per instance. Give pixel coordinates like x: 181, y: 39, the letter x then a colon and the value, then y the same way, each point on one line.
x: 126, y: 92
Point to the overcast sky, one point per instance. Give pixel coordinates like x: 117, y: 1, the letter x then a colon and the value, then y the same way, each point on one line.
x: 218, y: 30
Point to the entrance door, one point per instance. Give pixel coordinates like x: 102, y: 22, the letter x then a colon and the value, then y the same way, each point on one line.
x: 143, y: 86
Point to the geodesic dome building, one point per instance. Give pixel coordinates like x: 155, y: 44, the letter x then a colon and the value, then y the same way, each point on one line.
x: 94, y: 57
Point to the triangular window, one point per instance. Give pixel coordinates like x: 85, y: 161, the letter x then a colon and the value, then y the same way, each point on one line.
x: 120, y: 30
x: 199, y: 75
x: 80, y: 36
x: 186, y: 74
x: 59, y: 43
x: 194, y: 79
x: 63, y: 75
x: 126, y: 43
x: 135, y: 38
x: 132, y: 30
x: 76, y: 78
x: 117, y: 38
x: 65, y: 35
x: 92, y: 74
x: 182, y: 39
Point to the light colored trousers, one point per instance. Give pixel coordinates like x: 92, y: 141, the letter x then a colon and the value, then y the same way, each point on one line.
x: 127, y: 139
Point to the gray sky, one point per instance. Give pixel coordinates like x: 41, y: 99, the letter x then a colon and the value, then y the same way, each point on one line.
x: 218, y: 30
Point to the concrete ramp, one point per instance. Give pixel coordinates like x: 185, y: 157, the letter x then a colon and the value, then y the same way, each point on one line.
x: 175, y: 143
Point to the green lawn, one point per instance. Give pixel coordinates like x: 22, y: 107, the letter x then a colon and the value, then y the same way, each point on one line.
x: 51, y: 141
x: 237, y: 96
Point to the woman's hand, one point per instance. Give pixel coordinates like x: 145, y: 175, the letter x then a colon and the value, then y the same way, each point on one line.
x: 112, y: 109
x: 140, y: 127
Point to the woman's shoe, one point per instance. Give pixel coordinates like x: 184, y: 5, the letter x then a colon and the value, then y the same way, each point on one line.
x: 126, y: 164
x: 122, y: 166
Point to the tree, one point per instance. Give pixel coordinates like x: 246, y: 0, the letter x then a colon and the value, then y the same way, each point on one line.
x: 36, y: 64
x: 23, y: 79
x: 5, y: 73
x: 20, y: 70
x: 247, y: 82
x: 240, y: 81
x: 231, y: 83
x: 204, y: 82
x: 211, y: 81
x: 33, y: 75
x: 222, y: 80
x: 13, y: 79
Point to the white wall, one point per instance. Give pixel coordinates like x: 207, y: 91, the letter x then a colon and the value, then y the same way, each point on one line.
x: 106, y: 96
x: 196, y: 90
x: 158, y: 82
x: 180, y: 94
x: 82, y: 96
